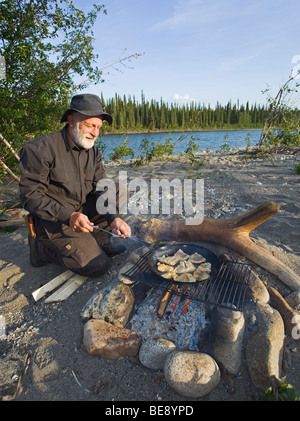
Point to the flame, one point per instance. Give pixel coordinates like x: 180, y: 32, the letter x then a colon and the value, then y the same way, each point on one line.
x: 173, y: 306
x: 185, y: 307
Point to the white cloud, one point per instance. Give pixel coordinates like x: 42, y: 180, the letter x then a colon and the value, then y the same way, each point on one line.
x: 183, y: 98
x: 183, y: 13
x: 204, y: 13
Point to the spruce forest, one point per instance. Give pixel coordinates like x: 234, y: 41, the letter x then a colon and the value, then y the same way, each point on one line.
x: 131, y: 115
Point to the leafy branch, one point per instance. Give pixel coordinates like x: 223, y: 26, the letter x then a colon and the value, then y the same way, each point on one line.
x: 111, y: 64
x: 281, y: 126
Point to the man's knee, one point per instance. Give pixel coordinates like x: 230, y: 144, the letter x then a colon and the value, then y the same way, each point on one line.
x: 87, y: 259
x: 96, y: 267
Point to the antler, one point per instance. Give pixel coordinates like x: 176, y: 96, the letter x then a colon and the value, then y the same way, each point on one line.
x: 232, y: 233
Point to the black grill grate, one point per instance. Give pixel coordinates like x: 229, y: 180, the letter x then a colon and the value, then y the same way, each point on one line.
x: 227, y: 288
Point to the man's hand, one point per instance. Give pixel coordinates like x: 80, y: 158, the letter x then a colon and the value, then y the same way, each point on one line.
x: 120, y: 227
x: 79, y: 222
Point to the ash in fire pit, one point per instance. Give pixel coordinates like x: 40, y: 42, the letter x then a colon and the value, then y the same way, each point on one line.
x: 181, y: 323
x: 183, y: 318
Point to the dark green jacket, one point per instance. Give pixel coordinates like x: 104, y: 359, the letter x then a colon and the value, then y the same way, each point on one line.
x: 57, y: 176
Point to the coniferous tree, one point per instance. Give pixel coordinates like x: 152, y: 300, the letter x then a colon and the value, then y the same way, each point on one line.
x: 130, y: 115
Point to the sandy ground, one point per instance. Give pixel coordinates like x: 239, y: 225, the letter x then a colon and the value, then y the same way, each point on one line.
x: 42, y: 357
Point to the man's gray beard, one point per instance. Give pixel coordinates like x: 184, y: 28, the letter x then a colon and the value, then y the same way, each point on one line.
x: 80, y: 138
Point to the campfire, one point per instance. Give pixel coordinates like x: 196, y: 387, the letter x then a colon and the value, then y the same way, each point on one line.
x: 179, y: 312
x: 205, y: 328
x: 226, y: 287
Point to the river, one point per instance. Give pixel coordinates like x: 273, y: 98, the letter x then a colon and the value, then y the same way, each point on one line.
x: 213, y: 140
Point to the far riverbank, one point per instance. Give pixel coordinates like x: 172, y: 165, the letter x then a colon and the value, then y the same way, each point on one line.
x: 210, y: 140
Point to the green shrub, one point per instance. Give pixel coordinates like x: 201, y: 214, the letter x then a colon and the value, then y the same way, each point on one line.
x: 148, y: 151
x: 297, y: 167
x: 122, y: 151
x: 280, y: 390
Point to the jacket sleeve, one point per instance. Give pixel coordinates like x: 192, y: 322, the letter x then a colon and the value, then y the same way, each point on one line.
x: 35, y: 162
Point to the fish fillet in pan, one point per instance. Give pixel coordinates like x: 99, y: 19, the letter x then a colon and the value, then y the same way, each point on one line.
x: 181, y: 255
x: 184, y: 277
x: 202, y: 272
x: 184, y: 267
x: 168, y: 260
x: 185, y: 270
x: 196, y: 258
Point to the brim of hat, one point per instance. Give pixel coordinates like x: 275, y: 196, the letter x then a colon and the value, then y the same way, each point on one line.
x: 105, y: 116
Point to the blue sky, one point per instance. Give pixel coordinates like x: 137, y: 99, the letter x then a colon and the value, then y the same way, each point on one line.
x: 196, y: 50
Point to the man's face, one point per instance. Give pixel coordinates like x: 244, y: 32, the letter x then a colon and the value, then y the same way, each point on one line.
x: 84, y: 131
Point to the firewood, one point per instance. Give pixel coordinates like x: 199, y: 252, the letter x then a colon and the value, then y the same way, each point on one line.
x: 232, y: 233
x: 67, y: 289
x: 51, y: 285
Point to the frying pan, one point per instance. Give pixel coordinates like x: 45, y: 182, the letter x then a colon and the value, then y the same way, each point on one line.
x: 171, y: 249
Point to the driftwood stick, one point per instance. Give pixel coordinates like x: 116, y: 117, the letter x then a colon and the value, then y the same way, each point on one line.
x: 12, y: 223
x: 254, y: 218
x: 232, y: 233
x: 3, y: 165
x: 10, y: 147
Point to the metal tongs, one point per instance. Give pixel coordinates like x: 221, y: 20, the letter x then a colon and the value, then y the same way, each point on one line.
x: 132, y: 237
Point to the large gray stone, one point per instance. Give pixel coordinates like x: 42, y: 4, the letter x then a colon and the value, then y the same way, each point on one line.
x: 112, y: 304
x: 293, y: 299
x: 265, y: 346
x: 256, y: 289
x: 227, y: 331
x: 153, y: 352
x: 191, y: 374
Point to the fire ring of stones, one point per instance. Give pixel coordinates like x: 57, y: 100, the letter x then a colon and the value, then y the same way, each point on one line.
x: 177, y: 343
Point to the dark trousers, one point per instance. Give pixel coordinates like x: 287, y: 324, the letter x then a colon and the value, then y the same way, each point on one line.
x: 80, y: 252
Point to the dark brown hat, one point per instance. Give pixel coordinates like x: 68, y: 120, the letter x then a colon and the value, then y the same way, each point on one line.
x: 89, y: 105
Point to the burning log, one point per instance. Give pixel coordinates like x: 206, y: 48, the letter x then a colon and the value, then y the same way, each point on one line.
x: 232, y: 233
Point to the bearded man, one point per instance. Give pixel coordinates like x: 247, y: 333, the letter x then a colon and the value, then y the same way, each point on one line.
x: 58, y: 187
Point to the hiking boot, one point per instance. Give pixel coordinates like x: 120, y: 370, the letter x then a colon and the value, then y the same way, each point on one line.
x: 35, y: 258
